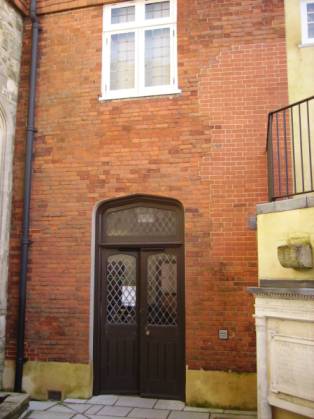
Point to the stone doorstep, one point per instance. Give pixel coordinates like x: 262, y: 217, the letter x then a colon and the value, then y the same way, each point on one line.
x: 14, y: 405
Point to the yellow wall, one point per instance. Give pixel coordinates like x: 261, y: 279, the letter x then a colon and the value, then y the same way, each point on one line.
x: 226, y: 390
x: 73, y: 380
x: 291, y: 227
x: 280, y: 228
x: 283, y: 414
x: 300, y: 60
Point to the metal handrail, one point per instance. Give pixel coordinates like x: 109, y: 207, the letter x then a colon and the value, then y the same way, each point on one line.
x: 289, y: 146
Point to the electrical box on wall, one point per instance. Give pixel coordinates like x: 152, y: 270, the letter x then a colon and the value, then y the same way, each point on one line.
x: 223, y: 334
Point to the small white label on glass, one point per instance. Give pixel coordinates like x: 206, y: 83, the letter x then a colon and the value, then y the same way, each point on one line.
x: 128, y: 297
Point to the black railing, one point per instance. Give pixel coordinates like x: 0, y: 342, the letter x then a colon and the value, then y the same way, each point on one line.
x: 290, y: 148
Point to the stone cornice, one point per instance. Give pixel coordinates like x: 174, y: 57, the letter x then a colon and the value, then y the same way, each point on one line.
x: 291, y: 204
x: 284, y: 293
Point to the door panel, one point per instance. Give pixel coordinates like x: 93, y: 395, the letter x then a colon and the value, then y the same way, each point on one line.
x: 141, y: 347
x: 162, y: 358
x: 119, y: 347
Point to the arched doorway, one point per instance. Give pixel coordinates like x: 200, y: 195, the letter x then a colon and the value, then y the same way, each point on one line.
x: 139, y: 343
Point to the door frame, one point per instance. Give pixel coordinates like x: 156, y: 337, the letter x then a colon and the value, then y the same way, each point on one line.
x: 177, y: 242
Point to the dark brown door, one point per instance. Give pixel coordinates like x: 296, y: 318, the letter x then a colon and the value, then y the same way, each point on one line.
x: 161, y: 333
x: 139, y: 297
x: 119, y: 354
x: 142, y: 339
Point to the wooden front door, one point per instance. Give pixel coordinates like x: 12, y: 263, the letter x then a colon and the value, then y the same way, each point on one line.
x: 161, y: 325
x: 139, y: 320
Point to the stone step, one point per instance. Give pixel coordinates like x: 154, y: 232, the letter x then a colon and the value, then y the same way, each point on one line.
x: 14, y: 405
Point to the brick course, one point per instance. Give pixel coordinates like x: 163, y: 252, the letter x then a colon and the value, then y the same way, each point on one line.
x: 204, y: 147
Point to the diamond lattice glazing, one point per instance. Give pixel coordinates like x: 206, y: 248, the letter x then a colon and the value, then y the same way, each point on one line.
x: 162, y: 290
x: 141, y: 221
x: 121, y: 289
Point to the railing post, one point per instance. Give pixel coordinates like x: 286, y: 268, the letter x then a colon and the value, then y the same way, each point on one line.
x: 270, y: 163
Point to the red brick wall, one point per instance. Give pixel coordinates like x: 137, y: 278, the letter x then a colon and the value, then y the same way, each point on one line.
x: 205, y: 147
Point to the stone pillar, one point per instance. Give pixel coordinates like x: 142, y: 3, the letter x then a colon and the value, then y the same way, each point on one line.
x: 11, y: 28
x: 264, y: 409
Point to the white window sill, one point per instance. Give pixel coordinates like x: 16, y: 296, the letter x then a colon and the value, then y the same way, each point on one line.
x: 307, y: 45
x: 143, y: 95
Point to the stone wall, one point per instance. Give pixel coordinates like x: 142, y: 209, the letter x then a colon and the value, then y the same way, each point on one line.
x: 11, y: 28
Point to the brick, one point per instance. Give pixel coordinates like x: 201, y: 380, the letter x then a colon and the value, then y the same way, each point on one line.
x: 204, y: 147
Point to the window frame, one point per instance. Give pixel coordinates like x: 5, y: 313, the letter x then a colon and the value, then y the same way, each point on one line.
x: 306, y: 40
x: 138, y: 26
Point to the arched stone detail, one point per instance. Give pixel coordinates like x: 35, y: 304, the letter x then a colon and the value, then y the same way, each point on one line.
x: 6, y: 167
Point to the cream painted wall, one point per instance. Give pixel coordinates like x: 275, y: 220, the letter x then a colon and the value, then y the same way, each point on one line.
x: 300, y: 63
x: 283, y: 414
x: 300, y: 59
x: 280, y: 228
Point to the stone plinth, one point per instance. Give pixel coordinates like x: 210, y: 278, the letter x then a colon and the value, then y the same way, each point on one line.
x: 285, y: 349
x: 13, y: 405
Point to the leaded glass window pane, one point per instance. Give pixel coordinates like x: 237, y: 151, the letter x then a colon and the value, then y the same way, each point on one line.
x: 121, y: 289
x: 310, y: 7
x: 310, y: 19
x: 157, y: 57
x: 141, y: 221
x: 123, y: 14
x: 162, y: 290
x: 157, y: 10
x: 122, y: 63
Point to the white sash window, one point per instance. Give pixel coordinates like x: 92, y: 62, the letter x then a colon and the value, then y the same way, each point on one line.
x: 139, y: 49
x: 307, y: 17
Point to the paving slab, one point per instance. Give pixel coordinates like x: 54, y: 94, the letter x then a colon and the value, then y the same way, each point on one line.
x: 118, y: 411
x: 34, y: 405
x: 113, y: 407
x: 49, y: 415
x: 104, y: 417
x: 201, y: 409
x: 59, y: 408
x: 148, y: 413
x: 75, y: 401
x: 107, y: 400
x: 94, y: 409
x: 169, y: 405
x: 136, y: 402
x: 240, y: 412
x: 188, y: 415
x: 231, y: 416
x: 78, y: 407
